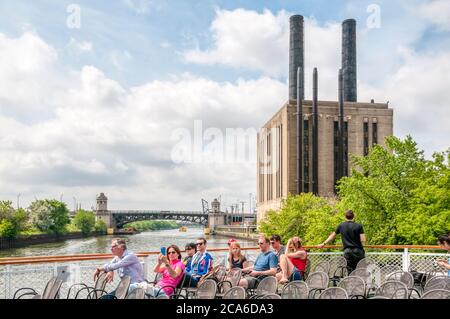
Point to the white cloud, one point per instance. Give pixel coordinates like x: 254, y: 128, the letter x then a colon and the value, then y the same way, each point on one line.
x: 437, y: 12
x: 100, y: 136
x: 79, y: 47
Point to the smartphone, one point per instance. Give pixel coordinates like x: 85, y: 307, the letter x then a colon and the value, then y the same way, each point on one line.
x: 163, y: 251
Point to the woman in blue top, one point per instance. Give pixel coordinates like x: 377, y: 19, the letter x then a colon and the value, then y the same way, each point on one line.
x: 444, y: 242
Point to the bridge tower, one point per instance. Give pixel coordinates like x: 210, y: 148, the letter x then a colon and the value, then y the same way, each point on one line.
x: 102, y: 213
x: 215, y: 216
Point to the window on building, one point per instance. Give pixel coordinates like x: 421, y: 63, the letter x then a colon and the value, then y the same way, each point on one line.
x: 374, y: 133
x: 366, y: 138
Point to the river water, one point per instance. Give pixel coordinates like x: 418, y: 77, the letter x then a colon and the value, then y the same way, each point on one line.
x: 145, y: 241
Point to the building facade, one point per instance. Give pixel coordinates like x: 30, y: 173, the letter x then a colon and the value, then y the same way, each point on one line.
x: 365, y: 124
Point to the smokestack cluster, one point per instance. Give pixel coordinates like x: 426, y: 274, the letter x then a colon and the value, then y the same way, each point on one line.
x: 347, y: 92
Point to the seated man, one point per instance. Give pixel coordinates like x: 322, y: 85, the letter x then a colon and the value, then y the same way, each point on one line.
x: 190, y: 252
x: 265, y: 265
x: 125, y: 262
x: 201, y: 264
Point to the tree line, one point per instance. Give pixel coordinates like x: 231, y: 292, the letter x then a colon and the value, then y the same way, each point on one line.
x: 47, y: 216
x: 399, y: 196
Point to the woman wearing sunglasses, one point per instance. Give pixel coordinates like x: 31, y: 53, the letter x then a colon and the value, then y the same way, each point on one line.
x: 172, y: 269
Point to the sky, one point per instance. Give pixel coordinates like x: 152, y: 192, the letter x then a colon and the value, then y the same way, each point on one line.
x: 141, y: 99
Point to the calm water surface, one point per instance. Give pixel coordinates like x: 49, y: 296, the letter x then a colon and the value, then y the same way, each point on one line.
x: 145, y: 241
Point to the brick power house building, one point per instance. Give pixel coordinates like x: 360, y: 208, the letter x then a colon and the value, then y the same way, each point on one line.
x: 326, y: 132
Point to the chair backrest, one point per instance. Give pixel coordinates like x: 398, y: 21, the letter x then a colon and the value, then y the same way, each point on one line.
x: 138, y: 293
x: 366, y: 263
x: 438, y: 282
x: 52, y: 288
x: 158, y: 277
x: 206, y: 290
x: 333, y: 293
x: 354, y: 286
x: 322, y: 266
x: 387, y: 270
x: 234, y: 276
x: 270, y: 296
x: 364, y: 274
x: 100, y: 284
x: 403, y: 276
x: 338, y: 267
x: 437, y: 294
x: 235, y: 293
x: 295, y: 290
x: 220, y: 273
x: 267, y: 286
x: 122, y: 287
x: 393, y: 290
x: 317, y: 280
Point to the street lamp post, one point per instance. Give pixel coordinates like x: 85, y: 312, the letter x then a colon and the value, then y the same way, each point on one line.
x: 18, y: 196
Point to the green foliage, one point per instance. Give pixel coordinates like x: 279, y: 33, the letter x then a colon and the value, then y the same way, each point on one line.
x: 398, y: 195
x: 7, y: 229
x: 12, y: 221
x: 100, y: 226
x: 153, y: 225
x: 310, y: 217
x: 84, y: 221
x: 50, y: 216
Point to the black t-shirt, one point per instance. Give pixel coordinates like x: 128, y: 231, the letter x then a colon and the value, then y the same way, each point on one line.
x: 237, y: 263
x: 350, y: 232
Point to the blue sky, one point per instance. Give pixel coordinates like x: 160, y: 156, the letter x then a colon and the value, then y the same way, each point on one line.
x: 91, y: 109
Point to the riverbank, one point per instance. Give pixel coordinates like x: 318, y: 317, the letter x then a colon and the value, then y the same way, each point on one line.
x: 26, y: 240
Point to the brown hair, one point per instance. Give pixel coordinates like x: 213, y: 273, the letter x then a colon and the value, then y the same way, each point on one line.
x: 349, y: 215
x: 120, y: 242
x: 174, y: 247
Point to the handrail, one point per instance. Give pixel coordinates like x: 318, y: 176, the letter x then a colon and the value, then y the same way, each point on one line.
x: 84, y: 257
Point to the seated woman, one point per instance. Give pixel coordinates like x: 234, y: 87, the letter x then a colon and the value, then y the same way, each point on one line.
x: 292, y: 262
x: 172, y: 269
x: 235, y: 257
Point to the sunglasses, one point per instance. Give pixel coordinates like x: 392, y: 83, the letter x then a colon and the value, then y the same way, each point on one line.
x: 171, y: 252
x: 261, y: 243
x: 199, y: 244
x: 189, y: 248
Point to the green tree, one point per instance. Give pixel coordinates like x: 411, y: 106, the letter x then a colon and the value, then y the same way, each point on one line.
x: 100, y: 226
x: 7, y: 229
x: 13, y: 221
x: 311, y: 217
x: 398, y: 195
x: 84, y: 221
x: 49, y: 216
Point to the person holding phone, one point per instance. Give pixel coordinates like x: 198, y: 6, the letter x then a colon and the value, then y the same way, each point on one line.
x: 172, y: 268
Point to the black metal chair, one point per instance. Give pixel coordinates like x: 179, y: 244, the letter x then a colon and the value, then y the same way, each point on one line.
x: 235, y: 293
x: 393, y: 290
x: 437, y: 294
x: 99, y: 287
x: 317, y: 282
x: 338, y: 269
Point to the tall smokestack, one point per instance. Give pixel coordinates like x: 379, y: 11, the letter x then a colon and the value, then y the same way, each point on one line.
x: 340, y: 159
x: 315, y: 137
x: 299, y: 132
x: 296, y: 56
x: 349, y: 59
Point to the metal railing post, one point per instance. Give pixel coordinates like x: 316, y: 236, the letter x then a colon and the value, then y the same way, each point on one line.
x: 8, y: 273
x: 405, y: 259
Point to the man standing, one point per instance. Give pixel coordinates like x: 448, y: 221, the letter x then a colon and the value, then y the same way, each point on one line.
x: 125, y: 262
x: 201, y: 263
x: 352, y: 238
x: 265, y: 265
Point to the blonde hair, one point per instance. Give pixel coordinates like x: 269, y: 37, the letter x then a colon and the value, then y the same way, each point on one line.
x: 230, y: 254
